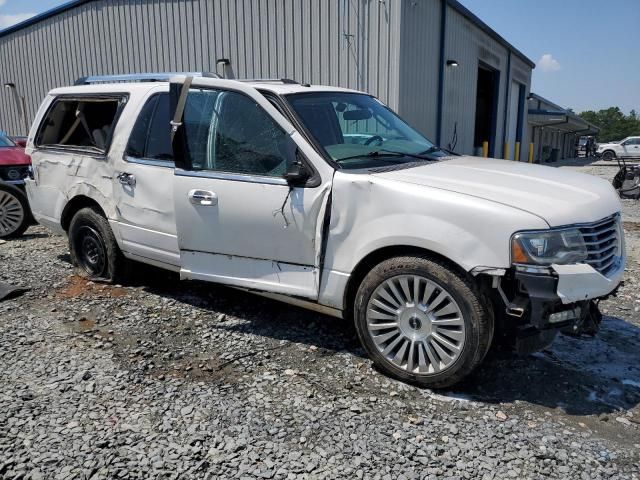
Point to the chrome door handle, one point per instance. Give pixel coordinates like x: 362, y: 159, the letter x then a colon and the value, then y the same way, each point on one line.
x: 127, y: 179
x: 203, y: 197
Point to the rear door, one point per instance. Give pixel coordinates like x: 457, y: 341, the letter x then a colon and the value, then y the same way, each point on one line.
x: 238, y: 220
x: 143, y: 185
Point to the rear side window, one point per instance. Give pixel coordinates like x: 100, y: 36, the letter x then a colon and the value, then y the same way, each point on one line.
x: 151, y: 134
x: 80, y: 123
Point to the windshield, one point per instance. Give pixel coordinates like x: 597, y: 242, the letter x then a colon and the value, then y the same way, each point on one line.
x: 358, y: 131
x: 5, y: 142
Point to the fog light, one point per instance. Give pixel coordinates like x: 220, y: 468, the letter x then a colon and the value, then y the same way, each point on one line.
x: 565, y: 315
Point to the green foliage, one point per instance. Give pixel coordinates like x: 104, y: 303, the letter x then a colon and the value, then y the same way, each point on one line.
x: 613, y: 123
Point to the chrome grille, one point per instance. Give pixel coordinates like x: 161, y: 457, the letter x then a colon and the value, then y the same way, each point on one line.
x: 603, y: 244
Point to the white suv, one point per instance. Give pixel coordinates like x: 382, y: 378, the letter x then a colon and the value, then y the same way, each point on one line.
x: 627, y: 148
x: 324, y: 198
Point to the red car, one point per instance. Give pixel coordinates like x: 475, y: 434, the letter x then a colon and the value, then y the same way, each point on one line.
x: 15, y: 214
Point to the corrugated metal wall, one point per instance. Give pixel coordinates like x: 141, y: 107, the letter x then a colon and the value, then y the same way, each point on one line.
x: 350, y: 43
x: 390, y: 48
x: 420, y: 65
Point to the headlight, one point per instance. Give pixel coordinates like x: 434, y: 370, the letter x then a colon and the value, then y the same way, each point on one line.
x: 551, y: 246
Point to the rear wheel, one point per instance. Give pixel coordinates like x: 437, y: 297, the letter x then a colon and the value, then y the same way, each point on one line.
x: 609, y: 155
x: 93, y: 247
x: 421, y: 322
x: 14, y: 211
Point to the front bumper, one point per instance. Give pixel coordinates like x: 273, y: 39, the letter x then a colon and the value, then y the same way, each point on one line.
x: 536, y: 302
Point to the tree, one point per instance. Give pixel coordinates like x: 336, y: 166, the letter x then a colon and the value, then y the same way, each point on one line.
x: 613, y: 123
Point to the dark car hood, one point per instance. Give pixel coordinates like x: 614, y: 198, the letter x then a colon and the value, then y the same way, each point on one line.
x: 13, y: 156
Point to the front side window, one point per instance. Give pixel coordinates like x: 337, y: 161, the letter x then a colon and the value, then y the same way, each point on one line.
x: 358, y: 131
x: 229, y: 132
x: 151, y: 135
x: 85, y: 124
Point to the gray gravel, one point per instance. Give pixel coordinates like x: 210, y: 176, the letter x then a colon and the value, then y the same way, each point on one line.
x: 163, y: 379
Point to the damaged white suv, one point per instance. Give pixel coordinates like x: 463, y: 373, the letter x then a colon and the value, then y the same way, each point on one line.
x: 324, y: 198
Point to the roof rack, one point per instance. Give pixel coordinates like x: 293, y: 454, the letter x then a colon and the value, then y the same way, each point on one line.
x: 140, y: 77
x: 286, y: 81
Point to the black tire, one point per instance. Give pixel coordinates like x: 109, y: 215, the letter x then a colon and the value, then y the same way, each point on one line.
x: 475, y: 309
x: 15, y: 222
x: 609, y: 155
x: 93, y: 247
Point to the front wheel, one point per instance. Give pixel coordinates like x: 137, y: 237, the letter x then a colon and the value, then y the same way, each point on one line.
x: 14, y: 211
x: 609, y: 155
x: 93, y: 247
x: 421, y: 322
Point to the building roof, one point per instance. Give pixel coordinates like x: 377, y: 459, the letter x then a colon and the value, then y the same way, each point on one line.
x: 42, y: 16
x: 455, y: 4
x: 550, y: 115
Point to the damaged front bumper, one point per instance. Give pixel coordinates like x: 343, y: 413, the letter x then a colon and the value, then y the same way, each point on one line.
x: 561, y: 298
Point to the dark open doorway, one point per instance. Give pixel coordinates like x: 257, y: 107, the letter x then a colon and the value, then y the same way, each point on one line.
x: 486, y: 108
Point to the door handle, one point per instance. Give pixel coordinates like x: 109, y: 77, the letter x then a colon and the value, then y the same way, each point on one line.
x: 203, y: 197
x: 127, y: 179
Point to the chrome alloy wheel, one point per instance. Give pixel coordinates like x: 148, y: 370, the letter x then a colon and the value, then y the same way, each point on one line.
x: 11, y: 213
x: 415, y: 324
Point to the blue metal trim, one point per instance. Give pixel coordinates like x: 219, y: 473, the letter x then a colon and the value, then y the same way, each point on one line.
x: 443, y: 27
x: 507, y: 88
x: 42, y: 16
x: 521, y: 102
x: 494, y: 113
x: 537, y: 111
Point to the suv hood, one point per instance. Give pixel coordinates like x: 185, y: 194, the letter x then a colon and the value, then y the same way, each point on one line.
x: 13, y: 156
x: 558, y: 196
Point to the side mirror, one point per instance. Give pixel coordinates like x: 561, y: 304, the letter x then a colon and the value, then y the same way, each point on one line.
x: 297, y: 172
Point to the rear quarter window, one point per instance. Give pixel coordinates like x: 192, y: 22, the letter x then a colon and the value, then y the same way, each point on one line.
x: 80, y: 123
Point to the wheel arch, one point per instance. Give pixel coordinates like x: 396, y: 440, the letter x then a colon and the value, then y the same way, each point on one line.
x: 74, y: 205
x: 381, y: 254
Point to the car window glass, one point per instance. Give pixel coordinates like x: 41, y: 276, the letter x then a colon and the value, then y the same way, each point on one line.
x: 5, y: 142
x: 159, y: 138
x: 230, y: 132
x: 85, y: 123
x: 355, y: 129
x: 140, y: 132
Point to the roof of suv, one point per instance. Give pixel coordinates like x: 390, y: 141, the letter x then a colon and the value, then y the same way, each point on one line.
x: 276, y: 86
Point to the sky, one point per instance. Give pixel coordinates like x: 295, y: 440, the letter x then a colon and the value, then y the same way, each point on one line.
x: 587, y: 52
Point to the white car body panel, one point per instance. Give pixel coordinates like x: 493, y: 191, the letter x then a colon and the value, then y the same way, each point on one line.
x: 560, y: 197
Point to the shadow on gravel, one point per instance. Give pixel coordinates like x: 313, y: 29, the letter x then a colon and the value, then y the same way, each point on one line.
x: 578, y: 376
x: 262, y: 316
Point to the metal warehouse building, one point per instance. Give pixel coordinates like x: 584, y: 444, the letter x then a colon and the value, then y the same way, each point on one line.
x: 433, y: 61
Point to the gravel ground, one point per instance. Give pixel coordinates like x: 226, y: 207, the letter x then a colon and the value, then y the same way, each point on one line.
x: 165, y: 379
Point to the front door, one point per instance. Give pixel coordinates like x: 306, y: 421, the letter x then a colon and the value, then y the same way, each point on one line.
x: 632, y: 148
x: 238, y: 220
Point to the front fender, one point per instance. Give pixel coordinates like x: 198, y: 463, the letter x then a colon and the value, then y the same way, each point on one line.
x: 370, y: 213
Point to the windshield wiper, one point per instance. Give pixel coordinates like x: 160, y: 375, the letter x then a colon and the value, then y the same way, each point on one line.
x: 389, y: 153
